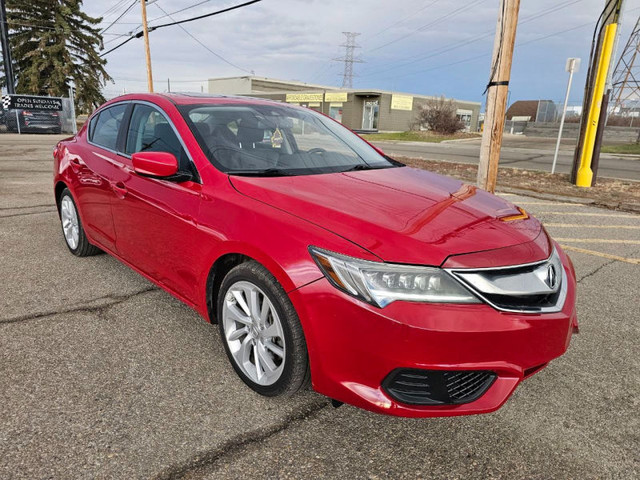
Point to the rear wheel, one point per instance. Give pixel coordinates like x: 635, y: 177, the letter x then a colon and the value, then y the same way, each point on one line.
x: 261, y: 332
x: 74, y: 235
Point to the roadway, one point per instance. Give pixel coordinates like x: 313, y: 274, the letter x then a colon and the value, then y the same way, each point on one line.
x: 532, y: 154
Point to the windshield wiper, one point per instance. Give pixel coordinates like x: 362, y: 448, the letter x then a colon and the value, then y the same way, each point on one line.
x: 268, y: 172
x: 365, y: 166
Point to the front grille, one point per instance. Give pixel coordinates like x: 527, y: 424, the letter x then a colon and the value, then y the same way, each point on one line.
x: 540, y: 287
x: 437, y: 387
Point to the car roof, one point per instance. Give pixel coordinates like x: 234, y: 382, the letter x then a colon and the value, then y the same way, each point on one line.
x: 196, y: 98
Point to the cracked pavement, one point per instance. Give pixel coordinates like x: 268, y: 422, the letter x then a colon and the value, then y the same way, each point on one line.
x: 103, y: 375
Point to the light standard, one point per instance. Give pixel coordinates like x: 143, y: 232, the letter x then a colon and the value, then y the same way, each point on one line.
x: 573, y: 64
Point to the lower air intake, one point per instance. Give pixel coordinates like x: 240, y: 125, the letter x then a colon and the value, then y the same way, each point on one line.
x: 437, y: 387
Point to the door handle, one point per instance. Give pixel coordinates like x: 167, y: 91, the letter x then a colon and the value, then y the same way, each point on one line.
x: 120, y: 189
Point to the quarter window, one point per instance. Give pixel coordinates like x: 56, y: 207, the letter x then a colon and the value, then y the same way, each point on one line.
x: 104, y: 129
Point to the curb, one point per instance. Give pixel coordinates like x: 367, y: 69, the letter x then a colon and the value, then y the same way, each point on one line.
x: 462, y: 140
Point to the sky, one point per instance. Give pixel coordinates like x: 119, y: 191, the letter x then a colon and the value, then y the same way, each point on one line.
x: 430, y: 47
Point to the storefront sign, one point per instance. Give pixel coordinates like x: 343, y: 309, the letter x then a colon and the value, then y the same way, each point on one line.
x: 339, y: 97
x: 29, y: 102
x: 304, y: 97
x: 401, y: 102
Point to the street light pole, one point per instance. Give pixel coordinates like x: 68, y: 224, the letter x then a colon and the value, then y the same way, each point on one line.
x: 145, y: 30
x: 572, y: 66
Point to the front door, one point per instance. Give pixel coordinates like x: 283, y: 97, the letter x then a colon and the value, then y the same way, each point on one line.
x: 155, y: 218
x: 370, y: 115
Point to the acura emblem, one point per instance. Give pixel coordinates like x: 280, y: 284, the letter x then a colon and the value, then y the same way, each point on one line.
x: 552, y: 277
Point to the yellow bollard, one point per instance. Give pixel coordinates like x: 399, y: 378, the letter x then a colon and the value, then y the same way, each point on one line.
x: 584, y: 176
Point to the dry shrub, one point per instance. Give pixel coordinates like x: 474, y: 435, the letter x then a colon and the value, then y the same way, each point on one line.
x: 439, y: 116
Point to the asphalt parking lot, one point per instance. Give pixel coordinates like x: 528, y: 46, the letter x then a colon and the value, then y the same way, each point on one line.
x: 102, y: 375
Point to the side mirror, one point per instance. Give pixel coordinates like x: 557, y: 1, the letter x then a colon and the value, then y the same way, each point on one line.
x: 155, y: 164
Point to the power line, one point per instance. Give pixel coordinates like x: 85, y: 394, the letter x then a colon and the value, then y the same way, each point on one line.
x: 162, y: 16
x: 179, y: 11
x: 484, y: 55
x: 137, y: 35
x: 111, y: 10
x: 430, y: 24
x: 156, y: 27
x: 418, y: 58
x: 137, y: 80
x: 44, y: 27
x: 404, y: 19
x: 203, y: 45
x: 120, y: 16
x: 192, y: 19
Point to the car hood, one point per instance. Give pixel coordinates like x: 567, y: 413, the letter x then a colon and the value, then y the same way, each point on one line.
x: 402, y: 215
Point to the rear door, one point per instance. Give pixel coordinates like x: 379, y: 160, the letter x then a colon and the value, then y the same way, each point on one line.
x: 155, y: 218
x: 95, y: 166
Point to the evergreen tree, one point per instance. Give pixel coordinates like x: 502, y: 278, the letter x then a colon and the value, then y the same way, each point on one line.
x: 54, y: 43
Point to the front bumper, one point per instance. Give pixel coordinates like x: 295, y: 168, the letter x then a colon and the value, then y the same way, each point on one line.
x: 353, y: 346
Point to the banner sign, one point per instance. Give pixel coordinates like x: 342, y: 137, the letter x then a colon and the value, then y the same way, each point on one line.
x: 338, y: 97
x: 304, y: 97
x: 401, y: 102
x: 30, y: 102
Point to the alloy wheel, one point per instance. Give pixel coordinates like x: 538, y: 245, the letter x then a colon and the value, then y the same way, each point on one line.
x: 253, y: 332
x: 70, y: 226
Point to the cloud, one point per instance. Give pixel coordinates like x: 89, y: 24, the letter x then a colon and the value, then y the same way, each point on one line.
x: 420, y: 46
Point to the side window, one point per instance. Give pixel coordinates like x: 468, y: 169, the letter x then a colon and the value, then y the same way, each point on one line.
x: 149, y: 131
x: 104, y: 128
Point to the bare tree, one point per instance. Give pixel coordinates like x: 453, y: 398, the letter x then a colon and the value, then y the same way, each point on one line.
x: 439, y: 116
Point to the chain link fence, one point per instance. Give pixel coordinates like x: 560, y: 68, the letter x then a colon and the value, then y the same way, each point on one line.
x: 29, y: 114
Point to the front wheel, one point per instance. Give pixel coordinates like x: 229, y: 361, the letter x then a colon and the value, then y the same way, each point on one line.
x: 261, y: 332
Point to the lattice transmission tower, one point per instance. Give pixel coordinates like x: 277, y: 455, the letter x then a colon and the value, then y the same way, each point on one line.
x: 626, y: 76
x: 349, y: 58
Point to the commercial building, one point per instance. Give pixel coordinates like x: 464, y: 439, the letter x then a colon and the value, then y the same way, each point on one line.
x: 540, y: 111
x: 361, y: 110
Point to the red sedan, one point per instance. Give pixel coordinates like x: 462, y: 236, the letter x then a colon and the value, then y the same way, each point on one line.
x: 321, y: 259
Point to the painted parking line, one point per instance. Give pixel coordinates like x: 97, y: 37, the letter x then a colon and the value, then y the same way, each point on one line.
x: 579, y: 225
x: 585, y: 214
x: 597, y: 240
x: 633, y: 261
x: 552, y: 203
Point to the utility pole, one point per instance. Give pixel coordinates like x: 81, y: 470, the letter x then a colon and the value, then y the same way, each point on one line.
x: 604, y: 41
x: 6, y: 50
x: 572, y: 66
x: 145, y: 30
x: 584, y: 173
x: 497, y: 91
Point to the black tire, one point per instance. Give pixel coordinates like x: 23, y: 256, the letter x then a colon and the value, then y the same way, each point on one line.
x: 83, y: 248
x: 295, y: 374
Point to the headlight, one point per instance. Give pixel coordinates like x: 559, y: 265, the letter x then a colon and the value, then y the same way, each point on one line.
x: 383, y: 283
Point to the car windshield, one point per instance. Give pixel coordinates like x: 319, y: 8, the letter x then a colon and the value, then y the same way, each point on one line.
x: 275, y: 140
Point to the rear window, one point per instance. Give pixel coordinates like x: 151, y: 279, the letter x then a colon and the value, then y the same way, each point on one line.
x: 105, y: 126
